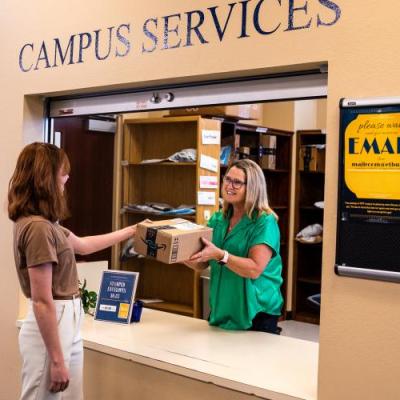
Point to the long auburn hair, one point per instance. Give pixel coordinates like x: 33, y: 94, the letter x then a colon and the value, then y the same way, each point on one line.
x: 256, y: 190
x: 34, y: 187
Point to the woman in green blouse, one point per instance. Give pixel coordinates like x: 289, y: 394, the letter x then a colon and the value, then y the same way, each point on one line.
x: 246, y: 267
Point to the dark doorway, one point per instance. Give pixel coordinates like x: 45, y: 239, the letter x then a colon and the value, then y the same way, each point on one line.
x: 90, y: 187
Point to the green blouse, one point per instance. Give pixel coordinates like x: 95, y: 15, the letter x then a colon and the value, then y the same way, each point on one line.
x: 234, y: 300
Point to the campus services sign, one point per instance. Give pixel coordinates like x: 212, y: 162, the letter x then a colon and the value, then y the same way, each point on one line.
x: 239, y: 20
x: 369, y: 189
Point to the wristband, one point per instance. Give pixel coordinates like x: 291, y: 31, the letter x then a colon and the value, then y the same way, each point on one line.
x: 224, y: 259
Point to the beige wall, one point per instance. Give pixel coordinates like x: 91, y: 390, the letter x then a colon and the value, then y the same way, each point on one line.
x: 321, y: 114
x: 359, y: 345
x: 310, y: 114
x: 279, y: 115
x: 296, y: 115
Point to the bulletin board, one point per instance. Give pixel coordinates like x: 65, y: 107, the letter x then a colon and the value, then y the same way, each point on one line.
x: 368, y: 221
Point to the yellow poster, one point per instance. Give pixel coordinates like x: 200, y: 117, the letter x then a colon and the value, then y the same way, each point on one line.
x: 369, y: 189
x: 372, y: 158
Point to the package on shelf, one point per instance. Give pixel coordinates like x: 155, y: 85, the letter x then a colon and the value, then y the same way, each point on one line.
x: 244, y: 152
x: 268, y: 151
x: 170, y: 241
x: 312, y: 158
x: 310, y: 234
x: 242, y: 111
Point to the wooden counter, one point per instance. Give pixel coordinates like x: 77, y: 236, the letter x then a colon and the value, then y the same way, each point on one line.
x: 174, y: 357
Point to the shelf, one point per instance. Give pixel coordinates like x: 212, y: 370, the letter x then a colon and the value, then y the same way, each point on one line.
x: 313, y: 172
x: 307, y: 316
x: 247, y: 128
x: 239, y: 134
x: 310, y: 280
x: 279, y: 207
x: 242, y: 127
x: 307, y: 256
x: 171, y: 307
x: 309, y: 244
x: 165, y: 181
x: 276, y: 170
x: 164, y: 164
x: 267, y: 170
x: 137, y: 212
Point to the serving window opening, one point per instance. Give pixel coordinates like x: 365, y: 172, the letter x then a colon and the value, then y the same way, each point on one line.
x: 129, y: 166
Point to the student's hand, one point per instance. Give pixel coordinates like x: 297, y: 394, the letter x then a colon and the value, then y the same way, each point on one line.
x: 133, y: 228
x: 59, y: 377
x: 209, y: 252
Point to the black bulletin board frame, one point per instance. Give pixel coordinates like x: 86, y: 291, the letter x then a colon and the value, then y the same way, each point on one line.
x: 368, y: 230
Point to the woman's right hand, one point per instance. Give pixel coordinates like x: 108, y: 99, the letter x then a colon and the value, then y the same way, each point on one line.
x: 59, y: 377
x: 209, y: 252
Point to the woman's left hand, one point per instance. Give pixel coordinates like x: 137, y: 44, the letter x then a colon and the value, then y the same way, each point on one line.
x: 209, y: 252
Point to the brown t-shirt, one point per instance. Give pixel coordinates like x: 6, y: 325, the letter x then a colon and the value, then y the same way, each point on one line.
x: 39, y: 241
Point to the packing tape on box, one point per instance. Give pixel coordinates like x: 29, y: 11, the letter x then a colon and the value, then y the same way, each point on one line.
x: 150, y: 241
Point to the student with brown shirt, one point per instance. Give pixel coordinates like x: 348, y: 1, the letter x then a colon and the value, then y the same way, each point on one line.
x: 50, y: 341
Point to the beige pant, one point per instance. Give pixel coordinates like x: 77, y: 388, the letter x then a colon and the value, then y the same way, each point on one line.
x: 35, y: 362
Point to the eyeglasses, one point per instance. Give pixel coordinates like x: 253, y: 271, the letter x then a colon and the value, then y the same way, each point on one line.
x: 236, y: 183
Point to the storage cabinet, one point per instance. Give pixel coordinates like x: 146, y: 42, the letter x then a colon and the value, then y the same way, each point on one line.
x: 175, y: 286
x: 307, y: 257
x: 257, y: 141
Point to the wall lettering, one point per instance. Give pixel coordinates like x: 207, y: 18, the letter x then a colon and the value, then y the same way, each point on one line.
x: 239, y: 20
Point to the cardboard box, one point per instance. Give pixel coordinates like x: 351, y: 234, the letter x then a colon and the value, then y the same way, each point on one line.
x: 242, y: 111
x: 268, y: 151
x: 170, y: 241
x: 312, y: 158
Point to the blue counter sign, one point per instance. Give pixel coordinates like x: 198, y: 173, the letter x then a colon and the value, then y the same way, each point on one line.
x: 116, y: 296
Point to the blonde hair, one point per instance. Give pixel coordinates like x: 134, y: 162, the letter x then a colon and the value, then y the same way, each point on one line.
x: 256, y: 189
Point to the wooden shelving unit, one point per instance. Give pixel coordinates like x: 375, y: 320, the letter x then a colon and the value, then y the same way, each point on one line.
x: 166, y: 182
x: 307, y: 258
x: 177, y: 286
x: 278, y: 179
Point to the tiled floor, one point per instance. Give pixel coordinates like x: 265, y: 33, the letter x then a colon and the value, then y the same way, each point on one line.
x: 300, y: 330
